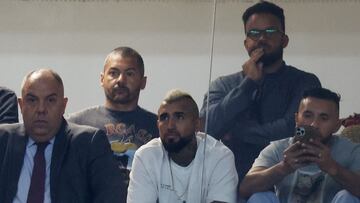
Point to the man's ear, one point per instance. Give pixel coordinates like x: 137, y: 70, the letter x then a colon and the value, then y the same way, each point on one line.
x: 285, y: 41
x: 246, y: 44
x: 337, y: 126
x: 65, y: 100
x: 101, y: 79
x: 198, y: 124
x: 20, y: 102
x: 143, y: 82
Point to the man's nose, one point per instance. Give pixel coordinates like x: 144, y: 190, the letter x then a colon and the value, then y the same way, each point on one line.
x: 41, y: 108
x: 121, y: 78
x: 171, y: 123
x: 262, y: 36
x: 315, y: 123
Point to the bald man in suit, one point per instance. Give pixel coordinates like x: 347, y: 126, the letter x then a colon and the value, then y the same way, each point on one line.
x: 77, y: 159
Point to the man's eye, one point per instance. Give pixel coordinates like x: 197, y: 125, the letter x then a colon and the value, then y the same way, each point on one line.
x: 30, y: 100
x: 324, y: 118
x: 130, y: 73
x: 52, y: 100
x: 180, y: 116
x: 113, y: 73
x: 163, y: 117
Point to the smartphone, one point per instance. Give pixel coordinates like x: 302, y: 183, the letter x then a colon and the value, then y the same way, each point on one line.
x: 305, y: 133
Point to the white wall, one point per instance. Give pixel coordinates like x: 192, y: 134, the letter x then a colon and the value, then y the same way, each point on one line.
x: 174, y: 38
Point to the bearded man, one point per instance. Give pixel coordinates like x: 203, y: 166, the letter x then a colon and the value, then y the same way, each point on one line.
x: 127, y: 125
x: 250, y: 108
x: 183, y: 165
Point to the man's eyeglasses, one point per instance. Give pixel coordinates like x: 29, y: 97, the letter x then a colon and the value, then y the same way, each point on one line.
x: 255, y: 34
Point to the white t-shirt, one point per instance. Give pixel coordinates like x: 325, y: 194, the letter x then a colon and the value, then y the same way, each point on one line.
x: 181, y: 179
x: 212, y: 178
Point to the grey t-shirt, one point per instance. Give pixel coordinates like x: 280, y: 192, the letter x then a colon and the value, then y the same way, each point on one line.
x: 126, y: 130
x: 309, y: 183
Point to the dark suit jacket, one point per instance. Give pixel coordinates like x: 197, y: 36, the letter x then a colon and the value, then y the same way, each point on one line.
x: 8, y: 106
x: 82, y: 167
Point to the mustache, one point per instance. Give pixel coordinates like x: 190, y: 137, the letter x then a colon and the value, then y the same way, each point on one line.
x: 120, y: 87
x: 259, y: 46
x: 172, y: 132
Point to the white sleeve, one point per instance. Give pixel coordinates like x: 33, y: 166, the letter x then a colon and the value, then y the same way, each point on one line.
x: 142, y: 188
x: 224, y: 180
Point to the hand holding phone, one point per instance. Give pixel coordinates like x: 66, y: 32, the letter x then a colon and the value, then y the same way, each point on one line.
x: 305, y: 133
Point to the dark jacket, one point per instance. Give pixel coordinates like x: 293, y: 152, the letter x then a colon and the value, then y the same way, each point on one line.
x: 248, y: 115
x: 8, y: 106
x: 82, y: 168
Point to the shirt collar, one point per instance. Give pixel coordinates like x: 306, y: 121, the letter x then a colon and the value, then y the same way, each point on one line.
x: 31, y: 142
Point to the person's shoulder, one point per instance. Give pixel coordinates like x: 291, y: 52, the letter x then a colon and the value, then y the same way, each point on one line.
x: 279, y: 145
x: 230, y: 78
x: 152, y: 150
x: 214, y: 147
x: 153, y: 145
x: 85, y: 136
x: 227, y: 82
x: 146, y: 113
x: 90, y: 111
x: 345, y: 143
x: 7, y: 94
x: 78, y: 127
x: 5, y: 90
x: 300, y: 73
x: 344, y: 150
x: 9, y: 129
x: 282, y: 141
x: 83, y: 131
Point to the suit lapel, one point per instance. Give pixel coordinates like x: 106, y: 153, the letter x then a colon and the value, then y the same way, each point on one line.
x: 60, y: 149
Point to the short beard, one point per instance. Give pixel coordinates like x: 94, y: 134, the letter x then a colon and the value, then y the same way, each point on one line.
x: 111, y: 98
x: 271, y: 58
x: 175, y: 147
